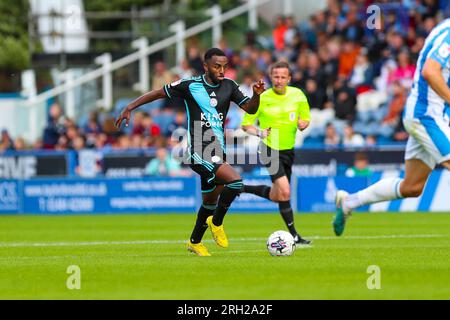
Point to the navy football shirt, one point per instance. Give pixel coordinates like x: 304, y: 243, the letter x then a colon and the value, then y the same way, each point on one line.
x: 206, y: 107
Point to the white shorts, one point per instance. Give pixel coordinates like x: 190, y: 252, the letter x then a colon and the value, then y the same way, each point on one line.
x: 429, y: 140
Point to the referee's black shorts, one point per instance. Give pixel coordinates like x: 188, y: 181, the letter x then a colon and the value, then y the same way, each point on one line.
x: 278, y: 162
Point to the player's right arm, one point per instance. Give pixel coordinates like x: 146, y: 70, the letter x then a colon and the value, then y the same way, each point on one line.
x: 145, y: 98
x: 432, y: 69
x: 178, y: 88
x: 432, y: 73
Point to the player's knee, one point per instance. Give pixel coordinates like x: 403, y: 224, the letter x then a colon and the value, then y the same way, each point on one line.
x: 209, y: 204
x: 210, y: 198
x: 285, y: 194
x: 280, y: 195
x: 235, y: 186
x: 411, y: 191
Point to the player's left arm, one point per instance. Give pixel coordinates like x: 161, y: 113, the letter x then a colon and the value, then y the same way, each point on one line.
x: 432, y: 70
x: 304, y: 116
x: 251, y: 105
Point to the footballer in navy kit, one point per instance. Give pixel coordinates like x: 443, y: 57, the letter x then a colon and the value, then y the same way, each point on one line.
x: 206, y: 107
x: 207, y: 99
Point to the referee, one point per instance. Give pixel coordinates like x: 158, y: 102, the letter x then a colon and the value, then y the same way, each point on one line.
x: 282, y: 110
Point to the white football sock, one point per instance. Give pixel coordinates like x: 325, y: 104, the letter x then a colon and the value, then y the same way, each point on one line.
x: 384, y: 190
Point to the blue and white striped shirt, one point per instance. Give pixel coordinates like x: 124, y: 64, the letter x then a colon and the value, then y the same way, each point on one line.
x: 423, y: 100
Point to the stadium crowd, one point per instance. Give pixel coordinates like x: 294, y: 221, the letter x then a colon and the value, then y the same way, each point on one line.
x: 356, y: 80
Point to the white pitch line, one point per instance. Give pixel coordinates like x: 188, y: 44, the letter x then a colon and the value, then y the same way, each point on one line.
x: 144, y: 242
x: 263, y: 249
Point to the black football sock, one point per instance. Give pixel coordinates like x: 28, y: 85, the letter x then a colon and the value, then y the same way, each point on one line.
x: 200, y: 227
x: 288, y: 215
x: 262, y: 191
x: 227, y: 196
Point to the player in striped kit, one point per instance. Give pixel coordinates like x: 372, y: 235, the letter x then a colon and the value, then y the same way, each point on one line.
x: 426, y: 119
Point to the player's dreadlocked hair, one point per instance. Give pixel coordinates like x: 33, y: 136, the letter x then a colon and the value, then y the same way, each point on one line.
x: 213, y: 52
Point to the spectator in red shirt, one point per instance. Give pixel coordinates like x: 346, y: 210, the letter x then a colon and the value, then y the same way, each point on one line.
x: 278, y: 33
x: 347, y: 58
x: 151, y: 129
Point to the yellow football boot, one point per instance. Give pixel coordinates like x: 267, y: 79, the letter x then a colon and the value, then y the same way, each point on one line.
x: 218, y: 233
x: 198, y: 248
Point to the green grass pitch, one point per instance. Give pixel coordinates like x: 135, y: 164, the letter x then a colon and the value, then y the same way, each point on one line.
x: 145, y: 257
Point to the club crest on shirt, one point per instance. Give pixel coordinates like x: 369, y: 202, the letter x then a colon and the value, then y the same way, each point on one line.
x: 215, y: 159
x: 213, y: 102
x: 444, y: 51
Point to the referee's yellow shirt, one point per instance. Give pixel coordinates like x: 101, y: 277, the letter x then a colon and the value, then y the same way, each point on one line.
x: 281, y: 113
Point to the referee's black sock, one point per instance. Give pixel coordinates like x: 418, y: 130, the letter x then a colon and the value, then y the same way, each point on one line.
x: 200, y: 227
x: 262, y: 191
x: 288, y: 215
x: 227, y: 196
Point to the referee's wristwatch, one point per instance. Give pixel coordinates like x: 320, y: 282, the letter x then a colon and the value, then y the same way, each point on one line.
x: 259, y: 133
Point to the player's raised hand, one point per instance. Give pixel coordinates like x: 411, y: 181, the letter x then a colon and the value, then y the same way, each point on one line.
x: 124, y: 115
x: 259, y: 87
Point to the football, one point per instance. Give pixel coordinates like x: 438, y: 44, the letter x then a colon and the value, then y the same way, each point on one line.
x: 281, y: 243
